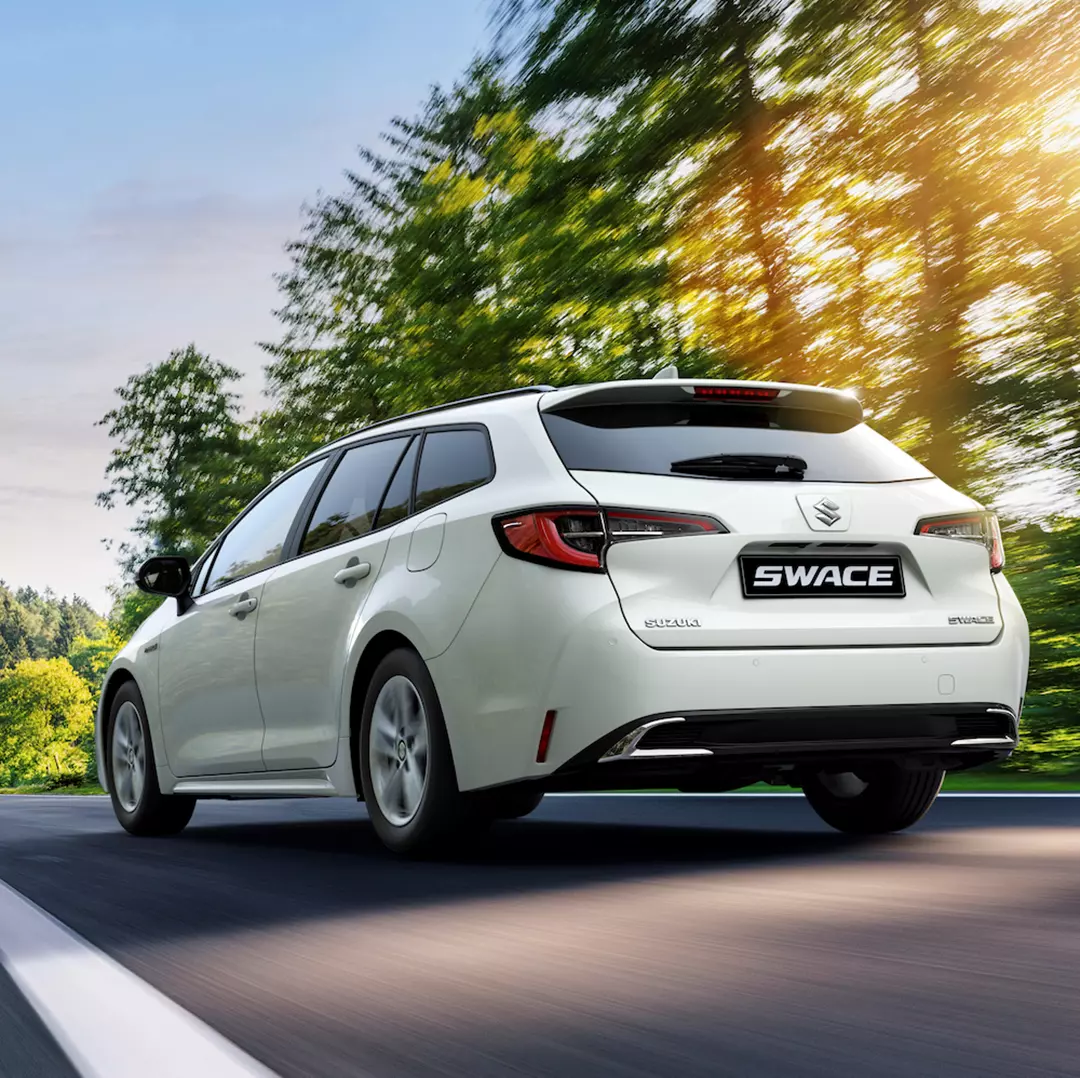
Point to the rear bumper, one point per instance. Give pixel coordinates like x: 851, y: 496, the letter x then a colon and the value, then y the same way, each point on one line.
x: 514, y: 662
x: 729, y: 748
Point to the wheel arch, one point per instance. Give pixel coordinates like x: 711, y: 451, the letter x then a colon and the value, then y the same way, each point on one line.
x: 114, y: 682
x: 377, y: 648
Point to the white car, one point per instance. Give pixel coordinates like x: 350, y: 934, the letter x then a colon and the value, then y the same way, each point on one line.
x: 655, y: 584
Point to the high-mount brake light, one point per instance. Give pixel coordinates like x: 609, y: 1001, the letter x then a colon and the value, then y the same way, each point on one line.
x: 576, y: 538
x: 737, y: 393
x: 974, y: 528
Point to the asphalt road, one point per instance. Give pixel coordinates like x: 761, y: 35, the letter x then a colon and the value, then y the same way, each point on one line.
x: 610, y: 936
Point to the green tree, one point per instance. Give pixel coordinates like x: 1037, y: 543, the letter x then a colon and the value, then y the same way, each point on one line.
x: 34, y: 626
x: 670, y: 101
x: 66, y: 631
x: 182, y: 456
x: 90, y: 657
x: 1044, y: 568
x: 46, y: 717
x: 131, y: 608
x: 883, y: 193
x: 472, y: 257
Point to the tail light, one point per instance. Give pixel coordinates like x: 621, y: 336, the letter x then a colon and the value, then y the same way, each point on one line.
x: 974, y: 527
x: 576, y: 538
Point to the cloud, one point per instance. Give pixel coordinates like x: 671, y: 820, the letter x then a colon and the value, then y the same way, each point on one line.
x: 142, y: 271
x: 21, y: 493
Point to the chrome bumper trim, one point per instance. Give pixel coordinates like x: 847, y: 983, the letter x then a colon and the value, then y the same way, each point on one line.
x: 626, y: 748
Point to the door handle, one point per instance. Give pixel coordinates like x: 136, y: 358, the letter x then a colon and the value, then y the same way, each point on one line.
x: 243, y: 606
x: 354, y: 571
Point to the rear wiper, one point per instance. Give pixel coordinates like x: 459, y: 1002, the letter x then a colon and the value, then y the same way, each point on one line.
x: 743, y: 466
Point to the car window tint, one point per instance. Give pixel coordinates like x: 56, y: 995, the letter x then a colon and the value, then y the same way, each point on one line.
x: 347, y: 507
x: 452, y: 462
x: 649, y: 438
x: 396, y: 503
x: 256, y: 540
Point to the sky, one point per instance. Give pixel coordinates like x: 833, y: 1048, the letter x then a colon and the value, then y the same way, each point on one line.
x: 154, y: 158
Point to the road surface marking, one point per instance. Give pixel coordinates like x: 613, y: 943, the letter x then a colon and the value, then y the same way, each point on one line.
x: 110, y: 1023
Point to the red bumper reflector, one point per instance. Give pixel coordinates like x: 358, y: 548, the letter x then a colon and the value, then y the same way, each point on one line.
x: 545, y: 738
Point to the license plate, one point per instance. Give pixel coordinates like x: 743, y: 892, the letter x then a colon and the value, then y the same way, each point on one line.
x: 793, y: 576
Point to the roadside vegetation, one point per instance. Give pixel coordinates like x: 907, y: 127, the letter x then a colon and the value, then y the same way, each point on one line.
x: 53, y: 657
x: 882, y: 195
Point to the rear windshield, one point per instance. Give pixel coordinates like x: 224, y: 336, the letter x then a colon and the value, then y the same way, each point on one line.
x: 650, y: 438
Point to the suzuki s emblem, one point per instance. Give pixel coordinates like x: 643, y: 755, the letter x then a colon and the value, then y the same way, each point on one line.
x: 827, y: 511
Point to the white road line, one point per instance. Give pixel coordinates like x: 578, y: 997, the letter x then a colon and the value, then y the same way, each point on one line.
x: 109, y: 1022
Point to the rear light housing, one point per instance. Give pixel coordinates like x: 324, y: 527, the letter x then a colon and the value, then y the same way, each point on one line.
x: 576, y: 537
x: 979, y: 527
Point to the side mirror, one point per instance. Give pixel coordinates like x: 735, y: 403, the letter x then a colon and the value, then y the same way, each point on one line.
x: 166, y: 576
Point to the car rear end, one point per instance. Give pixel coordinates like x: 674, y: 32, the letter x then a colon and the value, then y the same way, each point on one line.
x: 786, y: 590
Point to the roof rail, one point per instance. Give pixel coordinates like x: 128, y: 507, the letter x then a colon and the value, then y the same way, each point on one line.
x: 443, y: 408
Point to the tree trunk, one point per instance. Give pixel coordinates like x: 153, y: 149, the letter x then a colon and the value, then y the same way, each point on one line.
x: 944, y: 222
x: 784, y: 352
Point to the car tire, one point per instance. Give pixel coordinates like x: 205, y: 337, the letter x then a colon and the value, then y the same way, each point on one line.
x: 137, y: 800
x: 508, y: 803
x: 406, y: 767
x: 875, y: 800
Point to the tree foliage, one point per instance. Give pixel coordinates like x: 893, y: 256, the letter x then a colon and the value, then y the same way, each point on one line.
x: 46, y: 718
x: 182, y: 456
x: 873, y: 193
x: 40, y: 626
x: 1045, y: 571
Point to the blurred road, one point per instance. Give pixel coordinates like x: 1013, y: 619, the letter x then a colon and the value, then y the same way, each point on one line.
x: 607, y: 936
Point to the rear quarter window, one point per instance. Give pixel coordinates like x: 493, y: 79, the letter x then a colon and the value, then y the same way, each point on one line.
x: 452, y: 462
x: 649, y: 438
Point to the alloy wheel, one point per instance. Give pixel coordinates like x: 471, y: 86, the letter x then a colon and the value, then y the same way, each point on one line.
x: 398, y: 750
x: 128, y: 757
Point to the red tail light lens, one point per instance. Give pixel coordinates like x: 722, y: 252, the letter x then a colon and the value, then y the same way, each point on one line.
x: 974, y: 527
x: 569, y: 538
x: 576, y: 538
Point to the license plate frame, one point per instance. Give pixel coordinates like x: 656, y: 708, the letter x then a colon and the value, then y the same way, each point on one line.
x: 822, y: 576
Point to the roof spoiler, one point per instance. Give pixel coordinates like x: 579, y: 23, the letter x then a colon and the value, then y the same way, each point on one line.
x: 671, y: 390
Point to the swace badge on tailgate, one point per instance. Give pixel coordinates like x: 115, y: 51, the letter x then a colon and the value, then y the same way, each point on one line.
x: 790, y: 576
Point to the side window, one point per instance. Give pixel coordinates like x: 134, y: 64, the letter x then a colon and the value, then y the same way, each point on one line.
x: 202, y: 575
x: 256, y: 539
x: 351, y: 499
x: 452, y: 462
x: 396, y: 503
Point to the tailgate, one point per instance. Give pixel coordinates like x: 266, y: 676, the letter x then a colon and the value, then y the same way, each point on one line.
x: 817, y: 546
x: 687, y: 591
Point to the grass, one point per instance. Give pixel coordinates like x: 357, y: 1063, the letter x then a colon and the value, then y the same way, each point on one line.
x: 982, y: 782
x: 962, y: 782
x: 43, y: 788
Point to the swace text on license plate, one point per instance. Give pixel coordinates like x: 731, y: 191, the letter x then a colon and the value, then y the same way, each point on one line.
x: 789, y: 576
